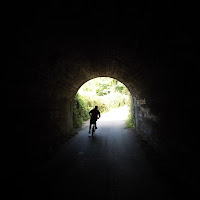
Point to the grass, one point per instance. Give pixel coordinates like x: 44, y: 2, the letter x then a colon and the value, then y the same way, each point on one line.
x: 130, y: 122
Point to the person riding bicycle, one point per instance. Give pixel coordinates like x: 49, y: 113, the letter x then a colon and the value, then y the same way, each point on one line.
x: 94, y: 115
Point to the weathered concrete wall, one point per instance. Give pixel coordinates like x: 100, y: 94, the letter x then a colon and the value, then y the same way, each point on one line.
x: 145, y: 120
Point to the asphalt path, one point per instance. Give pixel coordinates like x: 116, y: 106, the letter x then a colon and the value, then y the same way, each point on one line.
x: 110, y: 165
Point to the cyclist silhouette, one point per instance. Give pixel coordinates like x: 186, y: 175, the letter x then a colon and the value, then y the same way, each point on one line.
x: 94, y: 115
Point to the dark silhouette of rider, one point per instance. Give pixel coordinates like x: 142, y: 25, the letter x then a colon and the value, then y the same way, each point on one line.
x: 94, y: 115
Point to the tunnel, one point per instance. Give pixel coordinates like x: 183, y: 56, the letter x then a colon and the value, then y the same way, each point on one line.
x: 62, y: 81
x: 55, y: 48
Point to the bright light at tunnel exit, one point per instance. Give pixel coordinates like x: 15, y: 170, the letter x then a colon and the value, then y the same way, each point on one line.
x: 111, y: 96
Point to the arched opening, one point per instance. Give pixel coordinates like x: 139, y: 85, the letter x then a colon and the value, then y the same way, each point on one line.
x: 113, y: 98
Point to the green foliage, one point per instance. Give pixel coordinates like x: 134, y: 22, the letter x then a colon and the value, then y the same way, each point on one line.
x: 103, y: 86
x: 106, y: 93
x: 80, y: 111
x: 130, y: 122
x: 119, y: 88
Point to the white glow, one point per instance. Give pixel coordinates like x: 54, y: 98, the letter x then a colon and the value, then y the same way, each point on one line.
x: 120, y: 113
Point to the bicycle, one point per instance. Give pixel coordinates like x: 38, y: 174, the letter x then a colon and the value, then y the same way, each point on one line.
x: 93, y: 125
x: 93, y: 129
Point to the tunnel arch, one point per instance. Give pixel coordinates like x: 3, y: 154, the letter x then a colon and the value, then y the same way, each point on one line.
x: 58, y: 78
x: 104, y: 67
x: 86, y: 69
x: 53, y: 81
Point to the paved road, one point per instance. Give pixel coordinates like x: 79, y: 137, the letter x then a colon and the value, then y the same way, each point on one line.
x: 111, y: 165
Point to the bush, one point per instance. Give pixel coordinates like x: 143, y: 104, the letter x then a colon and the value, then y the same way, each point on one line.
x: 130, y: 122
x: 80, y: 111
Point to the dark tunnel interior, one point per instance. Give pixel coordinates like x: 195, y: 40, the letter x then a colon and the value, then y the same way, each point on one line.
x: 53, y: 48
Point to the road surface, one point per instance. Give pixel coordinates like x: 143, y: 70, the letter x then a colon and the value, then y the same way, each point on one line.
x: 111, y: 165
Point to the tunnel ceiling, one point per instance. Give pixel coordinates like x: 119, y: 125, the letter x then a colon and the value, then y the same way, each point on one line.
x: 66, y: 45
x: 60, y: 46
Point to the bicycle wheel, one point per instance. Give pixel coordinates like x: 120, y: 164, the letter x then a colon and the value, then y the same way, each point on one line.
x: 93, y: 130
